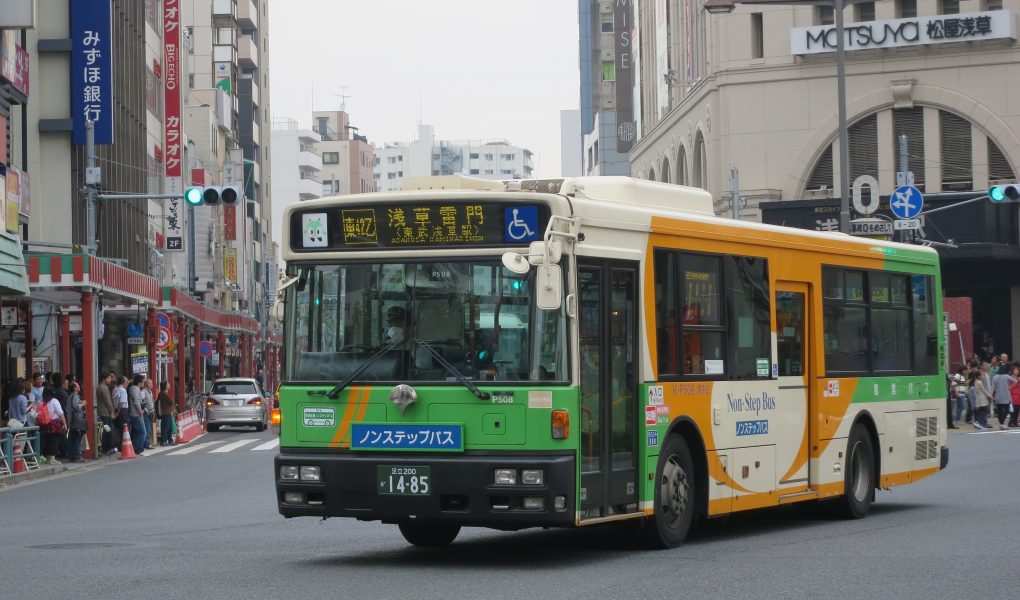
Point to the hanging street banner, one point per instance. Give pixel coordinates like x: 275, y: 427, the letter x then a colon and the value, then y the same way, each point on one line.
x: 91, y: 70
x: 230, y: 265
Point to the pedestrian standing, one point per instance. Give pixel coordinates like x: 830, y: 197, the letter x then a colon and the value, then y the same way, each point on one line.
x: 54, y: 428
x: 1001, y: 385
x: 148, y: 411
x: 104, y: 406
x: 165, y: 404
x: 958, y: 390
x: 134, y: 393
x: 121, y: 407
x: 982, y: 397
x: 76, y: 423
x: 38, y: 384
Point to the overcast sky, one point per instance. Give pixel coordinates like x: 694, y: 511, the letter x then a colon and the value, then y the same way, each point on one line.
x: 475, y: 69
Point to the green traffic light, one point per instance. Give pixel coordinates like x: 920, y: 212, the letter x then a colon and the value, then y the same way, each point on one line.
x: 997, y: 194
x: 193, y: 196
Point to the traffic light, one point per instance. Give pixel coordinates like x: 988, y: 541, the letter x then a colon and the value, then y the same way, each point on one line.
x: 212, y: 195
x: 1009, y: 192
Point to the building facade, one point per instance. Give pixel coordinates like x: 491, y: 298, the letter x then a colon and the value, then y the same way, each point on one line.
x: 755, y: 89
x: 427, y: 156
x: 608, y: 64
x: 297, y: 163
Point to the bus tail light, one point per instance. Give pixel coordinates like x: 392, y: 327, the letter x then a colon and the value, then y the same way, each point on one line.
x: 274, y: 417
x: 560, y: 424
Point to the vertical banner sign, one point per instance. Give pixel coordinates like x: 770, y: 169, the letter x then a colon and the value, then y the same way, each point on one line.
x: 13, y: 203
x: 229, y: 222
x: 91, y: 70
x: 4, y: 176
x: 626, y: 130
x: 661, y: 58
x: 173, y: 152
x: 25, y: 205
x: 230, y: 265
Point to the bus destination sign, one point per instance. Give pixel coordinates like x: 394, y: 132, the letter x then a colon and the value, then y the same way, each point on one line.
x: 417, y: 225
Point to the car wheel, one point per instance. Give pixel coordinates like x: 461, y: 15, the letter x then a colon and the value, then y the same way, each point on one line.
x: 260, y: 426
x: 429, y: 534
x: 211, y: 427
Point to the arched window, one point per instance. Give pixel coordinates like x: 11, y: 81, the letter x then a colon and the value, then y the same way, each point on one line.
x: 665, y: 169
x: 681, y: 167
x: 700, y: 162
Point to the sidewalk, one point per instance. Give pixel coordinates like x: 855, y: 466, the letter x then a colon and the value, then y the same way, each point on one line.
x: 69, y: 467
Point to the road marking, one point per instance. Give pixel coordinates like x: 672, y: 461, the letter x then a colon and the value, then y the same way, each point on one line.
x: 234, y: 445
x: 273, y: 443
x: 194, y: 448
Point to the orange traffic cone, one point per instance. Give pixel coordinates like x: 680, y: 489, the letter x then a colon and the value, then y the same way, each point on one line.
x: 127, y: 449
x: 19, y: 462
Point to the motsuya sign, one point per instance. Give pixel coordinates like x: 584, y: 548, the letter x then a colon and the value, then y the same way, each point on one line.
x: 917, y: 31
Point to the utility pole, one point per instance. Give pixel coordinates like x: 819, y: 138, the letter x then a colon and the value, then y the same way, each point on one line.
x: 735, y: 192
x: 92, y: 179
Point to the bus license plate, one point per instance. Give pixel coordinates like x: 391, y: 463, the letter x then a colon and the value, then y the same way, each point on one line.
x: 404, y: 481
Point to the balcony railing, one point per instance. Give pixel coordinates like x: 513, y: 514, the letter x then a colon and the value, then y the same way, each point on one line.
x: 247, y: 14
x: 247, y: 53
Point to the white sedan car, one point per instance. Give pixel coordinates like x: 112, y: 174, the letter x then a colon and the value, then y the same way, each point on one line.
x: 236, y: 401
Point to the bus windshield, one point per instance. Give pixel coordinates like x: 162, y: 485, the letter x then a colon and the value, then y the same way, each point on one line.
x: 439, y: 320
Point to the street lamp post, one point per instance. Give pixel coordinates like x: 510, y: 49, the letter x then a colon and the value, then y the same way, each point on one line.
x: 727, y: 6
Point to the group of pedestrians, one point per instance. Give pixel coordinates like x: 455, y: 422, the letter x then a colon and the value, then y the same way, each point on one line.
x: 55, y: 405
x: 979, y: 387
x: 121, y: 404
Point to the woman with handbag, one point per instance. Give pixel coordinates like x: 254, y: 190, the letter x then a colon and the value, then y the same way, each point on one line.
x: 54, y: 427
x: 76, y: 423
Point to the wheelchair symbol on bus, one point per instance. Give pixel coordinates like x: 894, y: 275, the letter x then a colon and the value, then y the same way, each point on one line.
x: 521, y: 224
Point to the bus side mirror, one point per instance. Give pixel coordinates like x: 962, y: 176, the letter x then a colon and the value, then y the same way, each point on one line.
x: 549, y: 287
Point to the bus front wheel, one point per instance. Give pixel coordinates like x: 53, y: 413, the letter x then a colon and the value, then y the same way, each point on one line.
x: 674, y: 496
x: 859, y: 475
x: 429, y: 534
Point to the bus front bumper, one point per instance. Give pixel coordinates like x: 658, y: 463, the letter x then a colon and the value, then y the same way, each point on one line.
x: 462, y: 488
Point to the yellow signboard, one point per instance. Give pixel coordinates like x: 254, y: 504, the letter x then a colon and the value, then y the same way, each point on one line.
x: 13, y: 202
x: 230, y: 265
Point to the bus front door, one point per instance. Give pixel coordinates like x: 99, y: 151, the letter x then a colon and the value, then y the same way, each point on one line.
x: 607, y: 310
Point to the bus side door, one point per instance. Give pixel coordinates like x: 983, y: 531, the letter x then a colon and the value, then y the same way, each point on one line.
x: 792, y: 459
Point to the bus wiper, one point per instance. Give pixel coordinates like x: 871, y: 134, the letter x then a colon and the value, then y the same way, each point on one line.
x: 460, y: 376
x: 333, y: 393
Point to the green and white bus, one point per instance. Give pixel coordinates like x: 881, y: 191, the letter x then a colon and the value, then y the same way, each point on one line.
x: 580, y: 351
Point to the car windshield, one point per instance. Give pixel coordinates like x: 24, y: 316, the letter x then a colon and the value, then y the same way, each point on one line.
x: 234, y: 387
x: 475, y: 318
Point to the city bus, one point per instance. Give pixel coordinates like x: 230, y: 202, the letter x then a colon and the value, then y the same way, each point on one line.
x: 580, y: 351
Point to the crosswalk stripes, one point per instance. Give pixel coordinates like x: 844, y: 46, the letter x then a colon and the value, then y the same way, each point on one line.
x: 273, y: 443
x: 194, y: 448
x: 214, y: 447
x: 234, y: 445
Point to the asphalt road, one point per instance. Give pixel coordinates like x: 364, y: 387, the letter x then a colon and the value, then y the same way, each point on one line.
x: 203, y: 524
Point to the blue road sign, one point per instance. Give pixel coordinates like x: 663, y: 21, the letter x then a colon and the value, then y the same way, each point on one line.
x: 906, y: 202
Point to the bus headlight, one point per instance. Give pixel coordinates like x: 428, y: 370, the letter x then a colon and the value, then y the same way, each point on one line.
x: 289, y: 472
x: 506, y: 476
x: 532, y: 477
x: 310, y: 473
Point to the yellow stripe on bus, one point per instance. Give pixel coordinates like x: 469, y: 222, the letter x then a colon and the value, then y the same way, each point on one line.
x: 343, y: 431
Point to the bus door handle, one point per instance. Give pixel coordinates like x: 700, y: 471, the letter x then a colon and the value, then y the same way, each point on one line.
x: 317, y: 392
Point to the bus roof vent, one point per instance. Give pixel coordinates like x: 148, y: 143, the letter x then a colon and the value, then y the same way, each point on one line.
x: 542, y: 186
x: 640, y: 192
x: 450, y: 182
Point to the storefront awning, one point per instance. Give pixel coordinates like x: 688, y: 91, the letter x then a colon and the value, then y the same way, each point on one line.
x: 178, y: 300
x: 13, y: 281
x: 60, y: 279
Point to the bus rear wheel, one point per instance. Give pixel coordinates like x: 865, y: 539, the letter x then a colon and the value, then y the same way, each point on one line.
x: 859, y: 475
x: 429, y: 534
x: 674, y: 497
